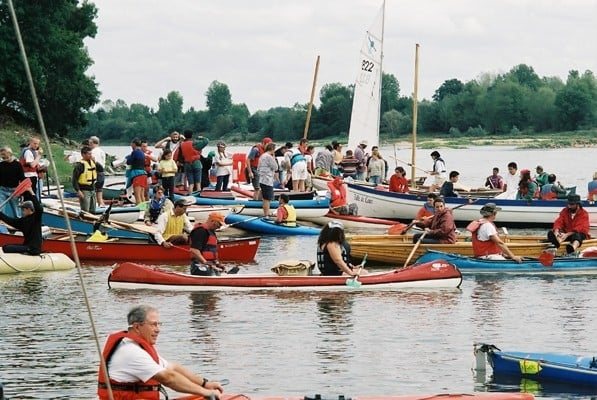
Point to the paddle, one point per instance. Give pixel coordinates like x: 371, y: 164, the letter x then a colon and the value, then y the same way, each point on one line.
x: 410, y: 165
x: 19, y: 190
x: 415, y: 247
x: 546, y: 259
x: 244, y: 220
x: 353, y: 282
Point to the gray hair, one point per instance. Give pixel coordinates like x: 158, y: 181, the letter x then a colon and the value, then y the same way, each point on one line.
x: 7, y: 149
x: 94, y: 139
x: 139, y: 313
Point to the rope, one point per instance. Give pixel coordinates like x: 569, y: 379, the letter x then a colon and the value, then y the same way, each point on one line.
x: 9, y: 265
x: 54, y: 172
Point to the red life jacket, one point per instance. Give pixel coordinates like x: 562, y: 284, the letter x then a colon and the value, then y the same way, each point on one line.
x: 592, y: 195
x: 338, y: 195
x: 147, y: 165
x: 149, y: 390
x: 483, y: 248
x: 210, y: 251
x: 255, y: 162
x: 189, y: 153
x: 26, y: 167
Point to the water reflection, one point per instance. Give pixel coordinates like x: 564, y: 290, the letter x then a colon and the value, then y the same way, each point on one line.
x: 540, y: 389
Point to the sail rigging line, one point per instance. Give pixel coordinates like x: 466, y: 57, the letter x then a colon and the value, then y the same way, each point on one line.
x: 54, y: 172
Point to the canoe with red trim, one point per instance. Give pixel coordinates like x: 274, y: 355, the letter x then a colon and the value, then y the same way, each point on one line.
x: 232, y: 249
x: 440, y: 396
x: 437, y: 274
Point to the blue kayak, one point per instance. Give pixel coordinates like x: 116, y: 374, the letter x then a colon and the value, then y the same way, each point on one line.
x: 268, y: 226
x: 542, y: 366
x: 304, y: 208
x: 560, y: 265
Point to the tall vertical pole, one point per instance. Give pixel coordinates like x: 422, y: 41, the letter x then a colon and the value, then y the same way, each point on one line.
x: 415, y: 105
x: 306, y: 131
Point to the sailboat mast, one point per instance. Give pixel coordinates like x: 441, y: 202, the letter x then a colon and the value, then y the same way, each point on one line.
x: 415, y: 105
x: 306, y: 131
x: 383, y: 23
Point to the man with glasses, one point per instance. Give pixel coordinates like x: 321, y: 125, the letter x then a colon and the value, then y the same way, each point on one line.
x: 135, y: 368
x: 84, y: 178
x: 173, y: 227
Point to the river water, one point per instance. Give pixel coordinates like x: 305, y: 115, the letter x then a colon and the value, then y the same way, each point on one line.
x: 303, y: 343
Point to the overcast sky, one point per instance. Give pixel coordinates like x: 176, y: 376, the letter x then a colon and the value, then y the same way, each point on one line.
x: 265, y: 51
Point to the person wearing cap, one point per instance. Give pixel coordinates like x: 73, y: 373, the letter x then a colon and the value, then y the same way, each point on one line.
x: 398, y: 181
x: 333, y: 252
x: 361, y: 156
x: 440, y: 228
x: 527, y: 187
x: 158, y: 205
x: 11, y: 174
x: 266, y: 170
x: 173, y: 226
x: 487, y: 244
x: 84, y: 178
x: 338, y: 198
x: 541, y: 177
x: 223, y: 163
x: 592, y: 188
x: 286, y: 213
x: 572, y: 225
x: 29, y: 224
x: 204, y: 247
x: 252, y: 164
x: 438, y: 171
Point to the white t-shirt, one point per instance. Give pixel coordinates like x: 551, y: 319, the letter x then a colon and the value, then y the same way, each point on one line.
x: 512, y: 182
x: 99, y: 156
x: 485, y: 231
x: 29, y: 158
x: 130, y: 363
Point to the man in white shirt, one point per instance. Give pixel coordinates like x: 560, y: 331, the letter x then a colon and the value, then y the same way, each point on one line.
x: 511, y: 181
x: 99, y: 157
x: 135, y: 366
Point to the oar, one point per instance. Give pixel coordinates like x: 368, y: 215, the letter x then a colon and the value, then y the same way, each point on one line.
x: 546, y: 259
x: 353, y: 282
x: 415, y: 247
x: 19, y: 190
x: 410, y: 165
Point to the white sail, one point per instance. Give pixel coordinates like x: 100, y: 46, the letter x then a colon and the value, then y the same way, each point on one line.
x: 364, y: 120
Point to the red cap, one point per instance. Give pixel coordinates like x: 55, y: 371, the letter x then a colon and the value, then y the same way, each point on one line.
x: 266, y: 140
x: 525, y: 171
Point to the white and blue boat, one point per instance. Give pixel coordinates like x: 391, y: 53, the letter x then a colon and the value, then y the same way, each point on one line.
x: 313, y: 208
x: 268, y: 226
x: 541, y: 367
x: 473, y: 265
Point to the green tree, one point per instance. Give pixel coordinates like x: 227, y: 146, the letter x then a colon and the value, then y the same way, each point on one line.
x: 335, y: 108
x: 390, y: 92
x: 169, y: 112
x: 53, y: 33
x: 219, y: 100
x: 449, y: 87
x: 577, y: 101
x: 525, y: 76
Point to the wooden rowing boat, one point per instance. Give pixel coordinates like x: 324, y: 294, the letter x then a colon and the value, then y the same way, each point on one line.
x: 395, y: 249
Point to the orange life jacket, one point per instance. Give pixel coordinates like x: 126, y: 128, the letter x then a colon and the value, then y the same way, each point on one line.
x: 26, y: 166
x: 483, y: 248
x: 255, y: 162
x: 338, y: 195
x: 210, y: 251
x: 149, y: 390
x: 189, y: 153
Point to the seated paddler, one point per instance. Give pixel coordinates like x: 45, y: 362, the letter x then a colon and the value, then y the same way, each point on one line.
x: 174, y: 226
x: 333, y: 252
x: 204, y: 247
x: 285, y: 213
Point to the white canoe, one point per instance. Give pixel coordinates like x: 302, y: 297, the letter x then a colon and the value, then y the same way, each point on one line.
x: 13, y: 263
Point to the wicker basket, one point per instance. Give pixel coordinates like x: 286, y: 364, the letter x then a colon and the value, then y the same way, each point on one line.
x: 294, y: 268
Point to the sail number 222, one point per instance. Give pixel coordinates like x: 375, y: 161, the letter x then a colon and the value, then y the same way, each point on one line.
x: 367, y: 65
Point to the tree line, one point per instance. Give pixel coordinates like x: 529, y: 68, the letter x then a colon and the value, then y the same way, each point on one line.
x: 518, y: 102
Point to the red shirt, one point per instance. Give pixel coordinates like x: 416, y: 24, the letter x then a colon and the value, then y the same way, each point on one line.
x: 398, y: 184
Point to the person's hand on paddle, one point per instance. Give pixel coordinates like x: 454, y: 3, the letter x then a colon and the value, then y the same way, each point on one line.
x: 518, y: 259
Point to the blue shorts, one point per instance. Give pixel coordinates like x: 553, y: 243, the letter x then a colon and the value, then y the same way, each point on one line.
x: 192, y: 173
x: 267, y: 192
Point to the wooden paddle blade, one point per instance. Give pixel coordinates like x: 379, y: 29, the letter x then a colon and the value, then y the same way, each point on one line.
x: 546, y: 259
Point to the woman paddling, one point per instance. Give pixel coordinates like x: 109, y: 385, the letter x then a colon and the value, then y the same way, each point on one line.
x: 333, y: 252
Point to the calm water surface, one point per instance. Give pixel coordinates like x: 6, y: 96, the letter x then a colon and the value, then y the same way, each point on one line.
x: 302, y: 343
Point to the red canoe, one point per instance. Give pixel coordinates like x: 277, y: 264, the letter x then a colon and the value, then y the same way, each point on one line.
x: 436, y: 274
x: 440, y: 396
x: 116, y: 249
